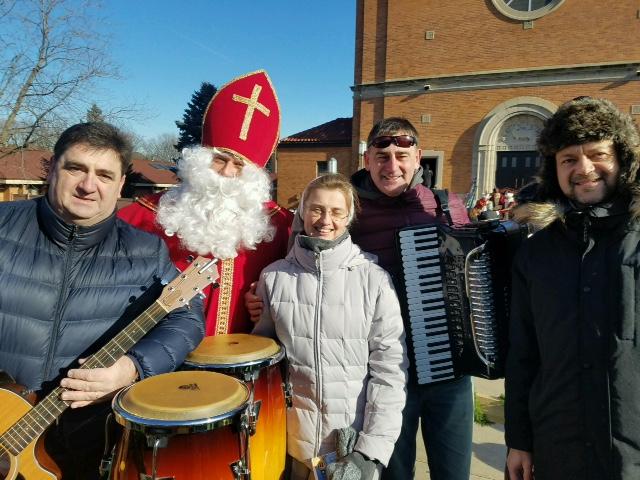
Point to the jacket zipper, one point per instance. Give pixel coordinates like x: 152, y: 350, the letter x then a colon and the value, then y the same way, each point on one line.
x: 316, y: 353
x: 57, y: 317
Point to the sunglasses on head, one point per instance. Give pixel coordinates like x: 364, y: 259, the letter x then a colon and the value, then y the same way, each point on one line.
x: 384, y: 141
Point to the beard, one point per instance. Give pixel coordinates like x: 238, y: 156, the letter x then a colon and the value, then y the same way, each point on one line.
x: 216, y: 215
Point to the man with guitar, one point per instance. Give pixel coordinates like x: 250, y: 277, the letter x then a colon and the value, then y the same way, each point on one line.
x: 72, y: 276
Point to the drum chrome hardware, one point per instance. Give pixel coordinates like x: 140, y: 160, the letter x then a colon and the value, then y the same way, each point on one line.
x: 288, y: 394
x: 240, y: 471
x: 253, y: 412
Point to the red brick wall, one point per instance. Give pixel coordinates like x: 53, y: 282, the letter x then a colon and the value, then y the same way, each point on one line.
x: 297, y: 167
x: 456, y: 116
x: 472, y: 36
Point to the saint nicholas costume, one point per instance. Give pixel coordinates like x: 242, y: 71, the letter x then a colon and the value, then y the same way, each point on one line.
x: 242, y: 119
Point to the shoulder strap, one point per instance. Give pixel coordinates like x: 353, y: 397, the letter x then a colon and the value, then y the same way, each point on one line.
x: 442, y: 202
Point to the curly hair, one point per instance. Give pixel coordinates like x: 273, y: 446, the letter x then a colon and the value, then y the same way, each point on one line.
x: 583, y: 120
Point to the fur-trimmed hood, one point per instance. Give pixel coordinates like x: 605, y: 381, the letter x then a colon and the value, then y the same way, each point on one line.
x: 539, y: 215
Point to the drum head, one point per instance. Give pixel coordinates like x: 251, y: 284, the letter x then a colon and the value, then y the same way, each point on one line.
x: 235, y: 349
x: 180, y: 398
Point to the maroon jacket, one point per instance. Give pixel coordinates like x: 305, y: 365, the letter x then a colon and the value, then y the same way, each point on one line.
x: 381, y: 217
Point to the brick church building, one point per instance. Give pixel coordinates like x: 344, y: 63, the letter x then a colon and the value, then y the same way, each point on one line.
x: 478, y: 77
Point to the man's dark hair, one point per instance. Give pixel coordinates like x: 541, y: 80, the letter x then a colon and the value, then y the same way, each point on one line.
x: 97, y: 135
x: 392, y: 126
x: 582, y: 120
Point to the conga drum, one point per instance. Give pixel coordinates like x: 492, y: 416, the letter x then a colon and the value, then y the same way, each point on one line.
x: 257, y: 362
x: 182, y: 426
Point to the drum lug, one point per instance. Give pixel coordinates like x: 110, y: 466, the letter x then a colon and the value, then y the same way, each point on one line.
x: 104, y: 470
x: 240, y: 471
x: 288, y: 394
x: 253, y: 412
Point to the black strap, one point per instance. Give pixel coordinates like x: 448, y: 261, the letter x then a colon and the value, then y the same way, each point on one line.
x: 442, y: 202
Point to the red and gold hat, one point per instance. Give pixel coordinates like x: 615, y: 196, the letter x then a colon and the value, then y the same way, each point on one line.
x: 243, y: 118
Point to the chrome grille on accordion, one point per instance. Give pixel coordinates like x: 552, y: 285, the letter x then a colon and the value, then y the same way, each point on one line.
x: 456, y: 297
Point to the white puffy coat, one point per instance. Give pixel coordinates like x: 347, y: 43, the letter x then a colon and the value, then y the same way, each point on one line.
x: 337, y: 314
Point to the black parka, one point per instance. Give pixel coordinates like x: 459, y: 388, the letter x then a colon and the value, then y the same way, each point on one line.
x: 573, y: 368
x: 65, y: 290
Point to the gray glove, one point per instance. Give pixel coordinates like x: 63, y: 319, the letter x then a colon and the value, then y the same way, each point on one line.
x: 352, y: 467
x: 345, y: 441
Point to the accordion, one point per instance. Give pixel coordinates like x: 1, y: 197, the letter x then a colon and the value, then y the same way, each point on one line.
x: 456, y: 297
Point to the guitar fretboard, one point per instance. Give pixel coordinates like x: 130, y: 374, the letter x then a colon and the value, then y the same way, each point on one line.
x: 35, y: 421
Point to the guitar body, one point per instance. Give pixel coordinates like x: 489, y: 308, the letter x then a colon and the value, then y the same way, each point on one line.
x: 22, y: 426
x: 32, y: 463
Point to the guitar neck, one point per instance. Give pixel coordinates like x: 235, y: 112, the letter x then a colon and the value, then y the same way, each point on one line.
x: 36, y: 420
x: 178, y: 293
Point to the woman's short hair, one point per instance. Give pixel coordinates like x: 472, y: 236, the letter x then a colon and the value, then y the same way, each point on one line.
x: 334, y: 181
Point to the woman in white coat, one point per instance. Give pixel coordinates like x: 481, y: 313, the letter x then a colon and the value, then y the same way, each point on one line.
x: 337, y: 315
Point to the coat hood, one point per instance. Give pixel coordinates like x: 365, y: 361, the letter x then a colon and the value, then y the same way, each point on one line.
x: 540, y: 214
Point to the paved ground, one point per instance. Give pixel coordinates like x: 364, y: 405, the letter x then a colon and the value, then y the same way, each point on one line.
x: 489, y: 451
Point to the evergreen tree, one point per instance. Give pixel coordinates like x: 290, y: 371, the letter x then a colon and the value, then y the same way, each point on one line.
x: 94, y: 114
x: 191, y: 125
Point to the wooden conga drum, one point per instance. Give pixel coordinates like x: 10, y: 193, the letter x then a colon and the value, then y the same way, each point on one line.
x: 256, y: 361
x: 182, y: 426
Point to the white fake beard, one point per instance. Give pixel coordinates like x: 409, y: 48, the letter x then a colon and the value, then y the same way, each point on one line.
x: 216, y: 215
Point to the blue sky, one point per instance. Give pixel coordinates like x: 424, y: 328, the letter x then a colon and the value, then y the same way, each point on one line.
x: 165, y: 49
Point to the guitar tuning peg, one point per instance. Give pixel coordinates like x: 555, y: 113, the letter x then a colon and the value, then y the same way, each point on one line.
x: 190, y: 258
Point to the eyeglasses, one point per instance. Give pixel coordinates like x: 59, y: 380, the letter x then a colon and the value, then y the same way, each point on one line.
x: 336, y: 215
x: 384, y: 141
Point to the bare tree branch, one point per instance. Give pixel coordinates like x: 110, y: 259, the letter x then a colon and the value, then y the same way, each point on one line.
x: 50, y: 57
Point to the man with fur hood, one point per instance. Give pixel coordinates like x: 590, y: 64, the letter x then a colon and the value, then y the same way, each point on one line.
x: 572, y: 407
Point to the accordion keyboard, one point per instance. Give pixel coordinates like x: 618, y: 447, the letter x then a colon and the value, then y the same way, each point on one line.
x: 426, y: 305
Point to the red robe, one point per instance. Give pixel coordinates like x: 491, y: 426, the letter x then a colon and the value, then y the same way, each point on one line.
x: 224, y: 307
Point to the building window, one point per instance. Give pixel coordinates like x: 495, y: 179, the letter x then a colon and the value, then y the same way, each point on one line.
x: 322, y: 167
x: 327, y: 166
x: 526, y: 9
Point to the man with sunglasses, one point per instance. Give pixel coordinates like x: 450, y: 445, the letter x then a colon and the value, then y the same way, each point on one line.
x: 392, y: 196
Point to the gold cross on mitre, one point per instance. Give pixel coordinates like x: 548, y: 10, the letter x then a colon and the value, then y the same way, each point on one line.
x: 252, y: 105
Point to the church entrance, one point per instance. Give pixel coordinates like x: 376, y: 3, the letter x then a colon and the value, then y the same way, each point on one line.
x: 515, y: 169
x: 517, y: 160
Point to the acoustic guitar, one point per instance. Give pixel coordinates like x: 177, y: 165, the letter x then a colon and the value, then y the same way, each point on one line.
x: 22, y: 454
